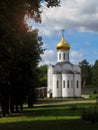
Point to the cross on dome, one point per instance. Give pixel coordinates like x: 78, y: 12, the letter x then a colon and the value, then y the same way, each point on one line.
x: 63, y: 44
x: 62, y: 33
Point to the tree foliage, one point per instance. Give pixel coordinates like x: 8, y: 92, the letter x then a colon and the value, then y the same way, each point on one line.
x: 85, y: 73
x: 89, y: 73
x: 42, y: 76
x: 19, y: 52
x: 52, y: 3
x: 95, y: 73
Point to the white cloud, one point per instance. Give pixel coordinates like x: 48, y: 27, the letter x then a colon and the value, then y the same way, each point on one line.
x: 49, y: 57
x: 76, y: 56
x: 81, y: 15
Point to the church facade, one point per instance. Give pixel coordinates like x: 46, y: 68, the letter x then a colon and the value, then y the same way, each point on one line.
x: 64, y: 78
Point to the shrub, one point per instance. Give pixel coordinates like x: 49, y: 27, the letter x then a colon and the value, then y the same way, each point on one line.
x: 90, y: 114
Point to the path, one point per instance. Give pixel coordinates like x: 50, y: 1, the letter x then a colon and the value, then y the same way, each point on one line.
x: 64, y: 102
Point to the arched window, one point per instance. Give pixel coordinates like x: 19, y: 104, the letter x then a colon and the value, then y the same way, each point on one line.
x: 77, y: 84
x: 67, y: 83
x: 57, y: 84
x: 64, y: 56
x: 59, y: 56
x: 67, y: 56
x: 63, y: 83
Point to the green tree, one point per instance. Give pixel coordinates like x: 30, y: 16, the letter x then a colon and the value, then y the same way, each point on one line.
x: 86, y: 73
x: 95, y: 73
x: 19, y: 51
x: 43, y: 76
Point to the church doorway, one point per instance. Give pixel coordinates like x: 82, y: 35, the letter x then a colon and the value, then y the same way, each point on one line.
x: 50, y: 95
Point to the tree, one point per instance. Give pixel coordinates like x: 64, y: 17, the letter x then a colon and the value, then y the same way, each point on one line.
x: 85, y: 73
x: 52, y: 3
x: 95, y: 73
x: 43, y: 76
x: 19, y: 51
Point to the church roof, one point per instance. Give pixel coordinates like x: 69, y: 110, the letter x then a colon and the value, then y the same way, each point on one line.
x: 63, y: 72
x: 56, y: 72
x: 67, y: 72
x: 76, y: 72
x: 62, y: 63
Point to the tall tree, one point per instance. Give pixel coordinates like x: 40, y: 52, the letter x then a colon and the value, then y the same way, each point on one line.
x: 19, y: 51
x: 85, y: 73
x: 95, y: 73
x: 43, y: 76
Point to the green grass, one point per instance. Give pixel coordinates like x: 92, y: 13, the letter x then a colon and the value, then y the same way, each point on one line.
x: 52, y: 100
x: 58, y: 117
x: 94, y: 96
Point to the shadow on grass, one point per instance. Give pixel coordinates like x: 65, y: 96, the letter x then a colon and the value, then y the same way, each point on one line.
x: 52, y: 111
x: 76, y: 124
x: 60, y: 117
x: 56, y: 110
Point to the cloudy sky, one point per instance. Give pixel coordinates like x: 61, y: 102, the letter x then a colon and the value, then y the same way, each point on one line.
x: 79, y: 19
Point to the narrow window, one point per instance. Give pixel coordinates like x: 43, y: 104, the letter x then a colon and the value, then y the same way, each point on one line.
x: 77, y: 84
x: 64, y: 56
x: 57, y: 84
x: 67, y: 56
x: 63, y: 83
x: 67, y: 83
x: 59, y: 56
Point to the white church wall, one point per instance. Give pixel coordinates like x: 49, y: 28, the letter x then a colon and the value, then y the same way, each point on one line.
x: 50, y: 80
x: 77, y: 86
x: 57, y: 85
x: 67, y: 90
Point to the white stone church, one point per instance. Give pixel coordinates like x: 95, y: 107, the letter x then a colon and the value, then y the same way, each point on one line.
x: 64, y: 78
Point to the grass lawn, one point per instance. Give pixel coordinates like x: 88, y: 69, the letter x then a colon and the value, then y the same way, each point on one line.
x: 58, y: 117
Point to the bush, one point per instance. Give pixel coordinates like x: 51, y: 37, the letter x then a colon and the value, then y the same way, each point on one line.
x: 90, y: 114
x: 94, y: 96
x: 74, y: 107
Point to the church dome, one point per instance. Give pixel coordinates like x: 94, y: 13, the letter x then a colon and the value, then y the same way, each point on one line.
x: 63, y: 45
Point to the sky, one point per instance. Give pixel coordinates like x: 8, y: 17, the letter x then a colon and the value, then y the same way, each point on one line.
x: 79, y: 19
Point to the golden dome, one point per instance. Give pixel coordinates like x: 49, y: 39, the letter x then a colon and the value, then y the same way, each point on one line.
x: 63, y: 45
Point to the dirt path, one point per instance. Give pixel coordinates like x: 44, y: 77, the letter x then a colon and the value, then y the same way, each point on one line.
x: 65, y: 102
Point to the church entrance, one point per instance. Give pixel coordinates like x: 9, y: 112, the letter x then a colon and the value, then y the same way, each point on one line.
x: 50, y: 95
